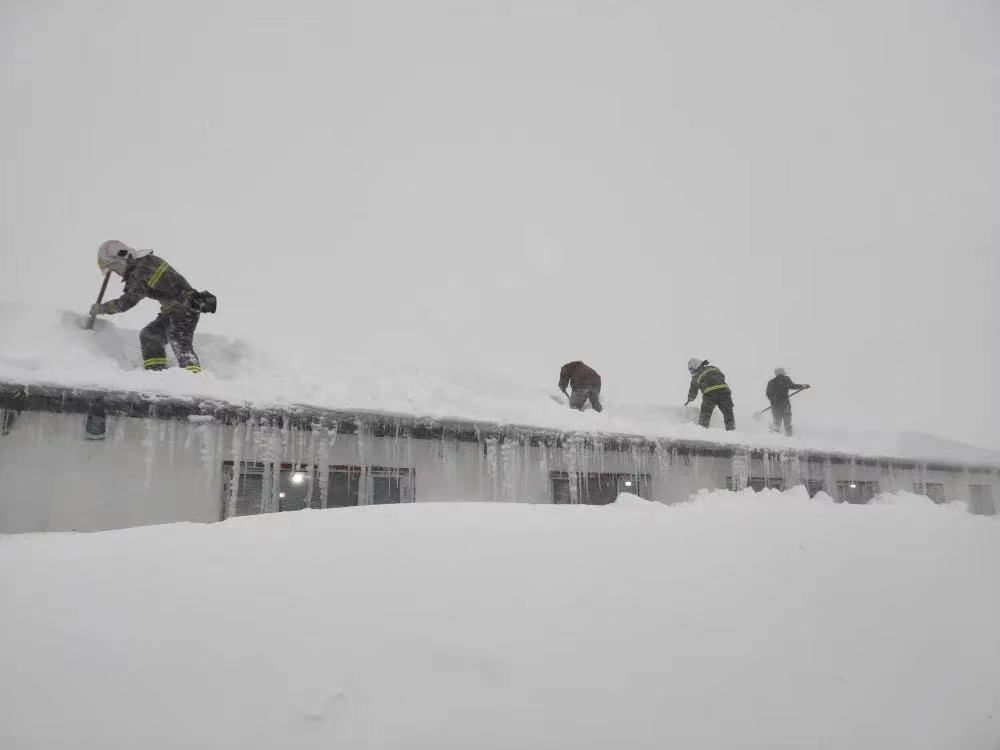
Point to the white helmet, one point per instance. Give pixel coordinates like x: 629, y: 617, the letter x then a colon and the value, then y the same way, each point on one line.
x: 694, y: 363
x: 114, y: 255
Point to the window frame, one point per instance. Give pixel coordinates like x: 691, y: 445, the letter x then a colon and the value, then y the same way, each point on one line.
x: 272, y: 473
x: 981, y: 500
x: 815, y: 486
x: 758, y: 484
x: 845, y: 495
x: 576, y: 481
x: 924, y: 488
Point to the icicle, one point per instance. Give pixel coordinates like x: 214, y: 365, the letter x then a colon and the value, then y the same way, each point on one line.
x: 789, y: 468
x: 188, y: 437
x: 251, y: 448
x: 239, y: 432
x: 361, y: 430
x: 572, y: 451
x: 506, y: 468
x: 149, y: 444
x: 291, y: 447
x: 491, y: 465
x: 544, y: 467
x: 206, y: 439
x: 267, y: 450
x: 828, y: 478
x: 886, y: 472
x: 311, y: 458
x: 118, y: 429
x: 662, y: 462
x: 328, y: 440
x: 171, y: 442
x: 741, y: 470
x: 283, y: 448
x: 405, y: 459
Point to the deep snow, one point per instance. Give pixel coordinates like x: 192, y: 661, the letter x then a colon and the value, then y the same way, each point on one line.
x: 43, y: 345
x: 738, y: 620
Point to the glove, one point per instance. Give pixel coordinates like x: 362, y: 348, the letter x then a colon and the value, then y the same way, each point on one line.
x: 806, y: 386
x: 95, y: 309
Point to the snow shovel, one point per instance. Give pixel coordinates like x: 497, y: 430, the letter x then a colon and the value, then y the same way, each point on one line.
x: 758, y: 414
x: 90, y: 323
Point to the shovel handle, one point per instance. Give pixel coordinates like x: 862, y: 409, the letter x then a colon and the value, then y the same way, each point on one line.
x: 100, y: 297
x: 762, y: 412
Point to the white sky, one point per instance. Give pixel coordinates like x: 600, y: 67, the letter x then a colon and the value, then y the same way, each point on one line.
x: 514, y: 185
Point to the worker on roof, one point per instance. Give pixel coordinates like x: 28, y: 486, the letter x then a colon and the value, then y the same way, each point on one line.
x: 714, y: 392
x: 777, y: 393
x: 146, y: 275
x: 584, y: 381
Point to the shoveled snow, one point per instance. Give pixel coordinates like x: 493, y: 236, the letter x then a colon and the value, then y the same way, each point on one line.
x: 737, y: 620
x: 45, y: 346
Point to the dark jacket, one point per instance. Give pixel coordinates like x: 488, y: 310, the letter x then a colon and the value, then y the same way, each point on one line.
x: 709, y: 379
x: 151, y: 277
x: 577, y: 375
x: 778, y: 388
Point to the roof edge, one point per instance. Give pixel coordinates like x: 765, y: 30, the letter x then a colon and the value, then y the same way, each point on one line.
x: 28, y: 397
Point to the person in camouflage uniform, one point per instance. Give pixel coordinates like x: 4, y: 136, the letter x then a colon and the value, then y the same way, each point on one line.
x: 714, y: 392
x: 146, y: 275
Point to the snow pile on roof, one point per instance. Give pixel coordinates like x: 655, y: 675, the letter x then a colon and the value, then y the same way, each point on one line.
x: 733, y: 621
x: 44, y: 346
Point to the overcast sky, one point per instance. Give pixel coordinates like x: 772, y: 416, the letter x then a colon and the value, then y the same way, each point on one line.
x: 514, y: 185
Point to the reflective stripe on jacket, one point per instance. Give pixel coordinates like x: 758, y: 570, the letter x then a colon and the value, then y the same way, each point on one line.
x: 707, y: 378
x: 150, y: 276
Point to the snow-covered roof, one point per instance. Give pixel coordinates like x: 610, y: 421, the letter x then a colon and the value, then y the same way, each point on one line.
x: 49, y: 398
x: 48, y: 353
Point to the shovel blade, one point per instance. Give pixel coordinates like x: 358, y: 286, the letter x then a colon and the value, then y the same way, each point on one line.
x: 76, y: 320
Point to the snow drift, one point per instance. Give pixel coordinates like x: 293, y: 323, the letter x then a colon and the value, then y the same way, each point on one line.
x: 737, y: 620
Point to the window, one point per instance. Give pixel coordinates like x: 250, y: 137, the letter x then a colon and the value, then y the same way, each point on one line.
x: 7, y: 418
x: 249, y: 490
x: 343, y: 489
x: 758, y: 483
x: 856, y: 492
x: 263, y: 488
x: 815, y: 486
x: 257, y: 485
x: 981, y: 500
x: 596, y: 488
x: 933, y: 490
x: 387, y: 485
x: 295, y: 485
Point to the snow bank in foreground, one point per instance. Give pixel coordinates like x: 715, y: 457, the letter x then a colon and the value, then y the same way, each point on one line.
x: 751, y: 621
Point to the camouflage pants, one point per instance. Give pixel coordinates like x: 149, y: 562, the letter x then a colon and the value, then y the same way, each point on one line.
x: 175, y: 325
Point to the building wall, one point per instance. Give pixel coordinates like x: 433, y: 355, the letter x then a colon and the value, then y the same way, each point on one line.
x: 157, y: 471
x: 144, y: 472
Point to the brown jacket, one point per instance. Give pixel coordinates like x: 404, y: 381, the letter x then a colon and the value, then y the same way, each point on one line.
x: 577, y: 375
